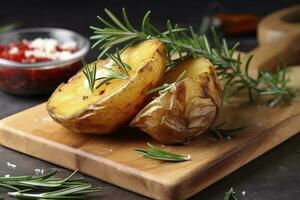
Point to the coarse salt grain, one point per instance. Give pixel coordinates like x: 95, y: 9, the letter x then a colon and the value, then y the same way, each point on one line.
x: 47, y: 48
x: 39, y: 171
x: 68, y: 45
x: 11, y: 165
x: 47, y: 45
x: 14, y: 50
x: 46, y: 119
x: 188, y: 157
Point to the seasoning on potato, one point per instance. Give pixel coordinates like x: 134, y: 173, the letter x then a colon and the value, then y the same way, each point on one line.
x: 114, y: 103
x: 188, y: 109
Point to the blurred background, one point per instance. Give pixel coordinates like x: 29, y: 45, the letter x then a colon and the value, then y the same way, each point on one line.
x: 79, y: 15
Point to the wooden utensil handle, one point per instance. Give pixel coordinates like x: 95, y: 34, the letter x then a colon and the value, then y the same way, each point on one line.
x: 279, y: 38
x: 268, y: 55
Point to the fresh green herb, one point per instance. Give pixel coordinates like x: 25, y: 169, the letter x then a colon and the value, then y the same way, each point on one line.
x: 8, y: 27
x: 167, y: 86
x: 57, y: 188
x: 121, y: 71
x: 222, y: 133
x: 186, y: 43
x: 89, y: 74
x: 230, y: 195
x: 72, y: 192
x: 116, y: 33
x: 159, y: 154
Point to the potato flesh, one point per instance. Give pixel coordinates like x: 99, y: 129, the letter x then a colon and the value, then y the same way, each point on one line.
x: 109, y: 106
x: 192, y: 67
x: 71, y: 100
x: 188, y: 109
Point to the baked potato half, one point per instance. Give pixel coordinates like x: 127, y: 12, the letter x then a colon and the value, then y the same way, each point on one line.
x: 188, y: 109
x: 111, y: 105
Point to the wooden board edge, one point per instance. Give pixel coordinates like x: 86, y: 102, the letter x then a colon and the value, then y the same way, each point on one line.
x: 154, y: 190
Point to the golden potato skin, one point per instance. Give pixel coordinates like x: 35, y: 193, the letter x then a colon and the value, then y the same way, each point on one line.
x: 188, y: 109
x: 74, y: 107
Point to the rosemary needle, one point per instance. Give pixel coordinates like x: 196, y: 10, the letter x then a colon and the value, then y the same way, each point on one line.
x: 120, y: 72
x: 186, y: 43
x: 89, y: 74
x: 222, y: 133
x: 230, y: 195
x: 167, y: 86
x: 30, y: 187
x: 73, y: 192
x: 158, y: 154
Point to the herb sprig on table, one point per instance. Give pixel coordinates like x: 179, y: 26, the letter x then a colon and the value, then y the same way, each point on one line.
x: 47, y: 187
x: 186, y: 43
x: 230, y: 195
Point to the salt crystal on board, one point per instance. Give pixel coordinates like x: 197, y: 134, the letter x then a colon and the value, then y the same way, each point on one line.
x: 11, y: 165
x: 39, y: 171
x: 47, y: 119
x: 188, y: 157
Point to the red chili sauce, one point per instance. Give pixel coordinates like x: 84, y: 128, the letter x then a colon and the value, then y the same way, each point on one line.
x: 32, y: 80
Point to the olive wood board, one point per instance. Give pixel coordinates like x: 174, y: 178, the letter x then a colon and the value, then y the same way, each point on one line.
x: 111, y: 158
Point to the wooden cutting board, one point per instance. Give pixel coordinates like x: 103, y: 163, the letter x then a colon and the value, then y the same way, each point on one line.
x: 112, y: 159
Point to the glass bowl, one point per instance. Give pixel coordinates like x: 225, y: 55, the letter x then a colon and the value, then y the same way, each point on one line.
x: 42, y: 77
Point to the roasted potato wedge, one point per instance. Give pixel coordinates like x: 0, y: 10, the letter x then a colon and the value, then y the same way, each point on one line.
x: 115, y: 103
x: 188, y: 109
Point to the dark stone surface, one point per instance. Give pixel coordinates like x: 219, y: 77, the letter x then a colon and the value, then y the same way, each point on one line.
x: 273, y: 176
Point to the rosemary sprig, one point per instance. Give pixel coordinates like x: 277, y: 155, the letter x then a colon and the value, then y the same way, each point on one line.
x: 116, y: 34
x: 119, y: 70
x: 72, y: 192
x: 159, y: 154
x: 186, y: 43
x: 222, y: 133
x: 167, y: 86
x: 120, y: 73
x: 8, y: 27
x: 56, y: 188
x: 230, y: 195
x: 89, y: 74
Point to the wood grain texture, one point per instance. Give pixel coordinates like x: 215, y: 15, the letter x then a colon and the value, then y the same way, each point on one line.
x: 112, y: 159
